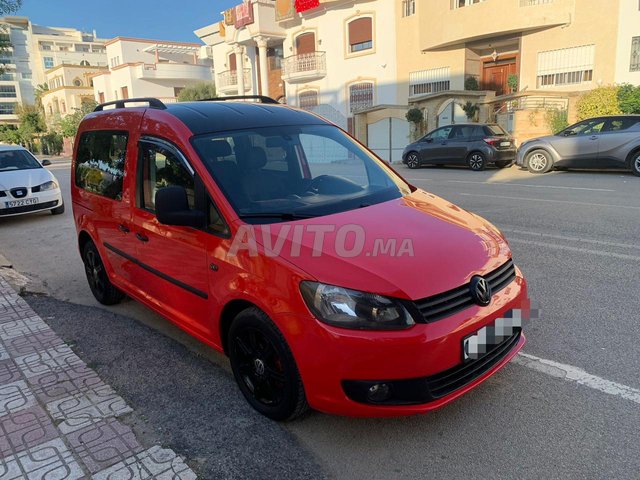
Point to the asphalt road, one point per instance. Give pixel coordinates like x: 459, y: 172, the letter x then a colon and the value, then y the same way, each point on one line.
x: 575, y: 236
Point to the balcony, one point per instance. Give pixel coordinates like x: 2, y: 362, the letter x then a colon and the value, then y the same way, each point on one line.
x: 443, y: 26
x: 174, y: 71
x: 304, y: 67
x: 227, y: 82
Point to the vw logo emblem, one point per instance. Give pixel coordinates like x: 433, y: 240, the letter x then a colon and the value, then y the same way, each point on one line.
x: 480, y: 291
x: 258, y: 365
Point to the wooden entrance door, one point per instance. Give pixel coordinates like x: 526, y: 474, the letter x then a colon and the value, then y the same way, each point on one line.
x: 495, y: 75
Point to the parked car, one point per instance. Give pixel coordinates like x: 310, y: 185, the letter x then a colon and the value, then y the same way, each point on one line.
x: 25, y: 185
x: 602, y: 142
x: 208, y: 213
x: 474, y: 145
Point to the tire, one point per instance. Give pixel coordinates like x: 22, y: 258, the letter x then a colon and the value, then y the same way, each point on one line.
x: 99, y: 283
x: 413, y: 160
x: 503, y: 164
x: 539, y: 161
x: 264, y: 367
x: 477, y: 161
x: 58, y: 210
x: 634, y: 163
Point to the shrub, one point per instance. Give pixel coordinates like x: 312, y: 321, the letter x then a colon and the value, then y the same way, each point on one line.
x: 415, y: 115
x: 471, y: 83
x: 600, y: 101
x: 629, y: 99
x: 470, y: 109
x: 512, y: 82
x: 52, y: 143
x: 557, y: 119
x: 200, y: 91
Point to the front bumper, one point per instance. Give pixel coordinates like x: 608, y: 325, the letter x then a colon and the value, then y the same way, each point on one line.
x: 328, y: 357
x: 45, y: 201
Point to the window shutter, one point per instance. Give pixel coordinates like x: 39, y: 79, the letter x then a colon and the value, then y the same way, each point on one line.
x: 360, y: 31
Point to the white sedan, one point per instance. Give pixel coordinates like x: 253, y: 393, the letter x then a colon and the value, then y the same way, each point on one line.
x: 25, y: 185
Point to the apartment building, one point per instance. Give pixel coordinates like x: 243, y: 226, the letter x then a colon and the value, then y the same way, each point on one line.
x: 525, y: 56
x: 151, y: 68
x: 69, y: 87
x: 35, y: 50
x: 333, y: 57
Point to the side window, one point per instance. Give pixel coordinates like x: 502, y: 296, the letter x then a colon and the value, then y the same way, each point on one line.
x: 463, y: 132
x: 619, y: 124
x: 161, y: 167
x: 588, y: 127
x: 100, y: 163
x: 441, y: 133
x: 325, y: 156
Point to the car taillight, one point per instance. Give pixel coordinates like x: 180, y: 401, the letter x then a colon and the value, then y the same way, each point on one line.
x: 491, y: 141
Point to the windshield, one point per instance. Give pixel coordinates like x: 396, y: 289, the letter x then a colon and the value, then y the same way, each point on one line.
x: 17, y: 160
x: 283, y: 173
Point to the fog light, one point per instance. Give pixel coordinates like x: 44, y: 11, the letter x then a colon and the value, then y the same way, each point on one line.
x: 379, y: 392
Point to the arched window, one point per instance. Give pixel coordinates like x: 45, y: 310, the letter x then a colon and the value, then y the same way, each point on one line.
x: 84, y: 63
x: 308, y: 99
x: 305, y: 43
x: 360, y: 96
x: 360, y: 34
x: 77, y: 82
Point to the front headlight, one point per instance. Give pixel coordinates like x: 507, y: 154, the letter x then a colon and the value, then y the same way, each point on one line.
x: 353, y: 309
x: 48, y: 186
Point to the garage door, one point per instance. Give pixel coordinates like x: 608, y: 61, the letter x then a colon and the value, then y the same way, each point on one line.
x: 388, y: 137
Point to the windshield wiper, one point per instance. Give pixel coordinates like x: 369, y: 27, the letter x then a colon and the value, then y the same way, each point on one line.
x: 280, y: 215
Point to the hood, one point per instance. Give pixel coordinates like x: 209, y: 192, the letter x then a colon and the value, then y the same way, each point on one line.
x: 24, y: 178
x: 412, y: 247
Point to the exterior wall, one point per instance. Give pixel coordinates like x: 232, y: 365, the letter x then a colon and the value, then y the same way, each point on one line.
x: 580, y: 31
x: 628, y: 21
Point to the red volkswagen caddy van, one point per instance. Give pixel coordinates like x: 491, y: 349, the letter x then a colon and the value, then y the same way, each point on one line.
x: 271, y: 235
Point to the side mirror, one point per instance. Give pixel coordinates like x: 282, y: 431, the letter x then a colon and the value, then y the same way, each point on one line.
x: 172, y: 208
x: 46, y: 163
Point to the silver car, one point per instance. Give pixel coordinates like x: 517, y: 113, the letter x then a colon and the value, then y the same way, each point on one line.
x: 602, y: 142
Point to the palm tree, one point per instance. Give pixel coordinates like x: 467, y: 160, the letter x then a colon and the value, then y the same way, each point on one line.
x: 41, y: 90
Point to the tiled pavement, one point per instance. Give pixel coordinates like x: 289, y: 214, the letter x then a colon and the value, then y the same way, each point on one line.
x: 58, y: 420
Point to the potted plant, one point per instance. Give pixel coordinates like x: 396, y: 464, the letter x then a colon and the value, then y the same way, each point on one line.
x: 471, y: 110
x: 415, y: 117
x: 512, y: 82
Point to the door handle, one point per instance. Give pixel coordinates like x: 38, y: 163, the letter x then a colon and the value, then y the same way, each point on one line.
x: 123, y: 228
x: 142, y: 237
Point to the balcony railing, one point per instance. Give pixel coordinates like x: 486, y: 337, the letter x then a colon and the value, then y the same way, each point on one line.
x: 306, y: 66
x: 228, y: 81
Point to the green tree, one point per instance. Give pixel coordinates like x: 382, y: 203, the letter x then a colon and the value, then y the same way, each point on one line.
x: 31, y: 124
x: 40, y: 91
x: 68, y: 126
x: 199, y: 91
x: 599, y: 101
x: 629, y: 98
x: 556, y: 119
x: 7, y: 7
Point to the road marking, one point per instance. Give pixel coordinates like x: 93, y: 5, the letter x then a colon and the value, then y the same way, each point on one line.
x: 563, y: 187
x: 577, y: 375
x: 586, y: 204
x: 571, y: 239
x: 57, y: 165
x: 575, y: 249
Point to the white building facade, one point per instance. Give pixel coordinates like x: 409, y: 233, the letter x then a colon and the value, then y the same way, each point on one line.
x: 335, y: 58
x: 151, y: 68
x: 35, y: 50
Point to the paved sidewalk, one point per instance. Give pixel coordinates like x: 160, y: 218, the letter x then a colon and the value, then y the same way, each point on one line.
x: 58, y: 419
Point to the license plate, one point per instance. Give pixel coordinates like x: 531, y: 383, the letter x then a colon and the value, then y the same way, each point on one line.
x: 477, y: 345
x: 505, y: 144
x: 20, y: 203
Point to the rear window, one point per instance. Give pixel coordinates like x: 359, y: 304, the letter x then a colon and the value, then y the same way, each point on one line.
x: 100, y: 163
x: 495, y: 130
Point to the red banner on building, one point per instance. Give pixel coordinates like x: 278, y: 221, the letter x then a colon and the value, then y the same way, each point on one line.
x: 304, y: 5
x: 244, y: 14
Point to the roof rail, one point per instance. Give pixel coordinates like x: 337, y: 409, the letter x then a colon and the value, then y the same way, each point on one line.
x: 262, y: 98
x: 153, y: 103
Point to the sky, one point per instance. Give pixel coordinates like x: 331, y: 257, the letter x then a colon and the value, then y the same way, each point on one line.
x: 156, y: 19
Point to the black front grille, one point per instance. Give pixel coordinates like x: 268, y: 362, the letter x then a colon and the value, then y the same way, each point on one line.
x: 415, y: 391
x: 28, y: 208
x: 447, y: 303
x: 447, y: 382
x: 3, y: 193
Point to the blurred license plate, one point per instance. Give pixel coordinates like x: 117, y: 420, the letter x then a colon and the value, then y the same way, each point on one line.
x: 21, y: 203
x: 477, y: 345
x: 505, y: 144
